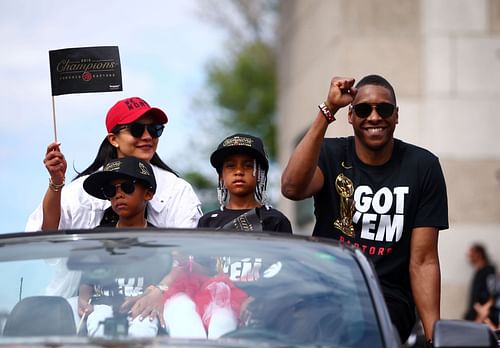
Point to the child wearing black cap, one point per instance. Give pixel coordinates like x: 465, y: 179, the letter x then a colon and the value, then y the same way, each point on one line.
x: 129, y: 184
x: 242, y: 165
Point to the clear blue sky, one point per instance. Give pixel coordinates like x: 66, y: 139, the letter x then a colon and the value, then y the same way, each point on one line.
x: 164, y: 47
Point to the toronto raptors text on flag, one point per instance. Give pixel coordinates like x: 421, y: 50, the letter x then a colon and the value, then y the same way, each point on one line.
x: 85, y: 70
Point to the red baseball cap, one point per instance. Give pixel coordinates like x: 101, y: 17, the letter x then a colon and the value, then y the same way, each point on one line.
x: 129, y: 110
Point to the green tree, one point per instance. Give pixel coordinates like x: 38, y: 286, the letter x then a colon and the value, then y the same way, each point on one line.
x: 244, y: 89
x: 240, y: 93
x: 242, y: 84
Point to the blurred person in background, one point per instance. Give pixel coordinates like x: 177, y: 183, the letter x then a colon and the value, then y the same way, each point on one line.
x: 480, y: 306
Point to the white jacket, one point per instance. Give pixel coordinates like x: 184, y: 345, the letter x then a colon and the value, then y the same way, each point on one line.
x: 174, y: 205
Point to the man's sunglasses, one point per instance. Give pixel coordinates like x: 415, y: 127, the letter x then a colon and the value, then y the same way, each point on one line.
x: 363, y: 110
x: 127, y: 187
x: 137, y: 129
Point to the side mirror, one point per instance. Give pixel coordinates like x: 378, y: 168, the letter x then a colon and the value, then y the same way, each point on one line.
x: 460, y: 333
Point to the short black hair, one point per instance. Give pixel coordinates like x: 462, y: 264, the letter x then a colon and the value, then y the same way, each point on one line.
x: 481, y: 250
x: 377, y: 80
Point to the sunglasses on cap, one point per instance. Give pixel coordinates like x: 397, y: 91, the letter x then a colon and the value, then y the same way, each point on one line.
x: 137, y: 129
x: 127, y: 187
x: 363, y: 110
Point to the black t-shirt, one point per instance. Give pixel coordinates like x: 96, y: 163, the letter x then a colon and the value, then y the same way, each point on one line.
x: 408, y: 191
x: 244, y: 270
x: 127, y: 280
x: 116, y: 280
x: 271, y: 219
x: 479, y: 291
x: 124, y: 280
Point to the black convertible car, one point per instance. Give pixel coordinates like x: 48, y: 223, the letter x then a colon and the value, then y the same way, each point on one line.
x: 210, y: 289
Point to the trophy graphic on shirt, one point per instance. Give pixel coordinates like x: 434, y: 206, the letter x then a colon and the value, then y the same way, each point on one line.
x: 345, y: 189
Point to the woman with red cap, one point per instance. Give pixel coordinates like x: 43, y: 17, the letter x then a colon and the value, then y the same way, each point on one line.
x: 133, y: 129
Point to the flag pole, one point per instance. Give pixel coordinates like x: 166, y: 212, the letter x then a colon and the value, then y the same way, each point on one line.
x: 54, y: 118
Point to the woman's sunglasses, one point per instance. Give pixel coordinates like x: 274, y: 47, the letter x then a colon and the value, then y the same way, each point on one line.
x: 137, y: 129
x: 363, y: 110
x: 127, y: 187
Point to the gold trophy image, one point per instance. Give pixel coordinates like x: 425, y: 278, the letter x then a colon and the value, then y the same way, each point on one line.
x: 345, y: 189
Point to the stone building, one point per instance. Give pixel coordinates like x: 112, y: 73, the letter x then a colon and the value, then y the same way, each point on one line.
x: 443, y: 59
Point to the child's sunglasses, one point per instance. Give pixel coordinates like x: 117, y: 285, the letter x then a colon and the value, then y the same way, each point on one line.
x: 363, y: 110
x: 137, y: 129
x: 127, y: 187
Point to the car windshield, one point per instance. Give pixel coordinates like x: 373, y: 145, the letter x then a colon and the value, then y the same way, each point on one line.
x: 209, y: 285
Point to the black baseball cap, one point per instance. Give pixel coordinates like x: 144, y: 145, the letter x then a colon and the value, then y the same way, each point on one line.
x: 126, y: 167
x: 239, y: 144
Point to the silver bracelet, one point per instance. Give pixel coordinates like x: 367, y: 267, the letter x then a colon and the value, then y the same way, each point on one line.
x: 56, y: 187
x: 162, y: 287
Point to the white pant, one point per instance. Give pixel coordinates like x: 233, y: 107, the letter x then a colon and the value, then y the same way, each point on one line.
x: 183, y: 321
x: 180, y: 315
x: 137, y: 328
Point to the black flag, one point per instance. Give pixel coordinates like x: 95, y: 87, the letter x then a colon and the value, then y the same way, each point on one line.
x: 85, y: 70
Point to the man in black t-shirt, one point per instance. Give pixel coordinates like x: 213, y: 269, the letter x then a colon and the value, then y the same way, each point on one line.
x: 376, y: 193
x: 480, y: 289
